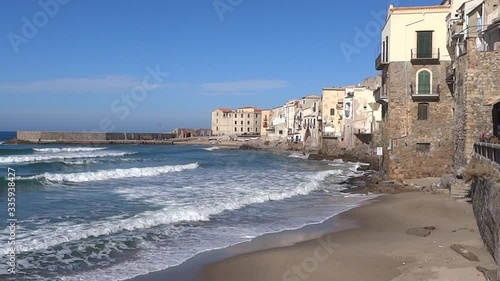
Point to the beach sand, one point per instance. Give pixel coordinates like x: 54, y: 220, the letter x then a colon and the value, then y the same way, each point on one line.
x: 379, y: 249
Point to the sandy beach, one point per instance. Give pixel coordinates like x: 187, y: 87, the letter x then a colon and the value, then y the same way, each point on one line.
x: 378, y: 249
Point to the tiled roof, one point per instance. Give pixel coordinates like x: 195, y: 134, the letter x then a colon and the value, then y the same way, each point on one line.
x: 413, y: 8
x: 225, y: 110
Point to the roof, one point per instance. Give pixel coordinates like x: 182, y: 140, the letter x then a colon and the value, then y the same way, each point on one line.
x: 312, y: 97
x: 225, y: 110
x: 251, y: 107
x: 414, y: 8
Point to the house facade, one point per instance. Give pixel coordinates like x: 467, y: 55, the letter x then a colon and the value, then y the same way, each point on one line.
x: 473, y: 75
x: 308, y: 118
x: 361, y: 116
x: 332, y: 105
x: 244, y: 120
x: 416, y: 104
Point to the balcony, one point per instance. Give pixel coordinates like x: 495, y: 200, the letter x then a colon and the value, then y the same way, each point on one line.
x: 450, y: 74
x: 425, y: 56
x: 380, y: 94
x: 432, y: 95
x: 379, y: 64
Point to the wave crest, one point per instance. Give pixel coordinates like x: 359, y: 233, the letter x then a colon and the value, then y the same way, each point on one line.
x: 69, y: 149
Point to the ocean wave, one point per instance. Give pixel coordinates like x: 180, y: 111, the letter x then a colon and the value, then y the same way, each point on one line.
x: 48, y: 158
x: 299, y: 155
x: 69, y: 149
x: 211, y: 148
x: 110, y: 174
x: 60, y: 233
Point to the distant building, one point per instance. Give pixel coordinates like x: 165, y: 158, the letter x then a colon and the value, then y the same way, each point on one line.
x: 332, y: 105
x: 417, y: 128
x: 308, y: 121
x: 361, y: 116
x: 244, y: 120
x: 265, y: 122
x: 283, y: 121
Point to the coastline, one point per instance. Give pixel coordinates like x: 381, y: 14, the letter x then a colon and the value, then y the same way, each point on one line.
x: 379, y: 249
x: 371, y: 236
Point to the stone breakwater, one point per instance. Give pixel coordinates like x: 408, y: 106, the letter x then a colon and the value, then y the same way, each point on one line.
x: 43, y: 137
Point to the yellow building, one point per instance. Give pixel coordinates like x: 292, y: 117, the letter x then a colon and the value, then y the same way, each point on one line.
x: 244, y: 120
x: 265, y: 122
x: 332, y: 115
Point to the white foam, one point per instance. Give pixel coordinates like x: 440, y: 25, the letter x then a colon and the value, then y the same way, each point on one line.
x: 211, y: 148
x: 58, y: 233
x: 111, y: 174
x: 1, y: 142
x: 300, y: 156
x: 61, y: 156
x: 69, y: 149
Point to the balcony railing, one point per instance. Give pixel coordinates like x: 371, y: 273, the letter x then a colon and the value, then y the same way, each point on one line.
x: 379, y: 64
x: 432, y: 95
x: 489, y: 151
x: 450, y: 74
x: 380, y: 94
x: 424, y: 57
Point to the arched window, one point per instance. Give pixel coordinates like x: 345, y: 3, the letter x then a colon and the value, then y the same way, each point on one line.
x: 332, y: 111
x: 424, y: 82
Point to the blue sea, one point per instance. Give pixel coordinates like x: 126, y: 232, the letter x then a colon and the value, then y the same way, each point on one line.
x: 116, y: 212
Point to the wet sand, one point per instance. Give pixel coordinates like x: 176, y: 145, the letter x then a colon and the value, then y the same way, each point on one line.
x: 365, y: 243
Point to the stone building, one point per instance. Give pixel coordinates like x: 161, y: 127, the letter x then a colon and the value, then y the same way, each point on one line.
x: 417, y: 128
x: 244, y: 120
x: 282, y: 125
x: 474, y: 74
x: 265, y: 122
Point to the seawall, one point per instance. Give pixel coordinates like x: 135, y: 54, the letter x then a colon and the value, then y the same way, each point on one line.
x: 44, y: 137
x: 486, y: 204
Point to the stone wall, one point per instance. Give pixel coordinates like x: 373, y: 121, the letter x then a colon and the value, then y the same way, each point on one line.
x: 35, y: 136
x: 477, y: 89
x: 486, y: 205
x: 402, y: 133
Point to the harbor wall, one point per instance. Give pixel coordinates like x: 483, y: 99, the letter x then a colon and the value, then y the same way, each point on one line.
x: 88, y: 137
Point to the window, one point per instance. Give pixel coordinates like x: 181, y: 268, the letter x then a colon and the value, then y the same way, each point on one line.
x: 280, y: 132
x: 235, y: 122
x: 386, y: 58
x: 248, y: 122
x: 217, y: 113
x: 332, y: 111
x: 423, y: 111
x: 424, y: 82
x: 216, y: 128
x: 241, y: 115
x: 235, y: 129
x: 256, y: 115
x: 424, y: 44
x: 423, y: 147
x: 241, y: 129
x: 248, y: 115
x: 217, y: 121
x: 248, y: 129
x: 256, y: 123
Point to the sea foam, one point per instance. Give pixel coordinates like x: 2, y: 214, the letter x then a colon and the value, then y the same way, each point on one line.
x: 110, y: 174
x: 61, y: 156
x: 69, y: 149
x: 211, y: 148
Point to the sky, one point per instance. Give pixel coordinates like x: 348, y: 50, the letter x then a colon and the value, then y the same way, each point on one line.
x: 156, y: 65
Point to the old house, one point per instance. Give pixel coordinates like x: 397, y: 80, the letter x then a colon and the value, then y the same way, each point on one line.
x: 332, y: 104
x: 474, y: 74
x: 417, y: 128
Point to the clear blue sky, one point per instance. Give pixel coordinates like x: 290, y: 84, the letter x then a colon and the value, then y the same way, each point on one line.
x: 83, y: 65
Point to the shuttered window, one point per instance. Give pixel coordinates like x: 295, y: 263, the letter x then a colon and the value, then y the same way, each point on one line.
x: 424, y: 44
x: 332, y: 111
x: 424, y: 82
x: 423, y: 111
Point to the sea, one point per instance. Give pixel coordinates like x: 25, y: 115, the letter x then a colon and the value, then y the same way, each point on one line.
x: 116, y: 212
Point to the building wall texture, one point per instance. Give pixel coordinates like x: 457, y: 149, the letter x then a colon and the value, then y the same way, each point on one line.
x: 403, y: 136
x: 477, y: 90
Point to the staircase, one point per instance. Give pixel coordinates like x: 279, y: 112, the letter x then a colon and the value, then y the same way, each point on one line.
x: 460, y: 191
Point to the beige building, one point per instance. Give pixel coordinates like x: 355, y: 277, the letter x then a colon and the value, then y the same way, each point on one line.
x: 244, y: 120
x: 361, y: 116
x: 332, y: 104
x: 265, y: 122
x: 283, y: 121
x: 308, y: 121
x: 417, y: 126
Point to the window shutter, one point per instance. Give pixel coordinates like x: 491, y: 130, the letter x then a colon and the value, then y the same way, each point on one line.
x: 424, y: 82
x: 424, y: 44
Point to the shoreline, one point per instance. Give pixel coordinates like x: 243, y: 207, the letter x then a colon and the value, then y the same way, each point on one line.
x: 360, y: 238
x: 192, y: 269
